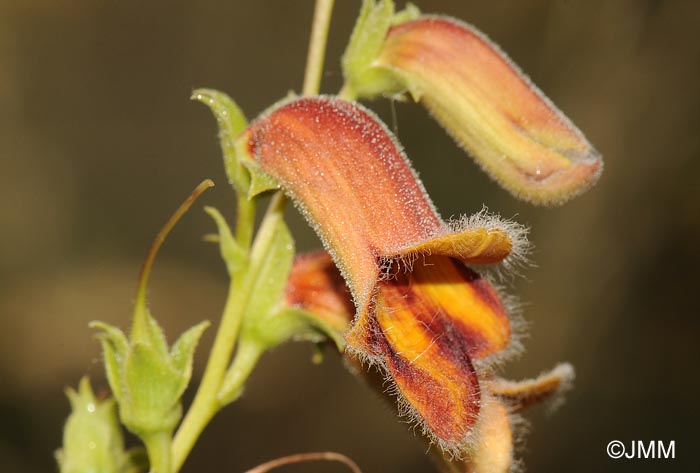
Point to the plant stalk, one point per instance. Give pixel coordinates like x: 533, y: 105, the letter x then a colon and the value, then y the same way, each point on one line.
x: 159, y: 451
x: 207, y: 400
x: 317, y: 47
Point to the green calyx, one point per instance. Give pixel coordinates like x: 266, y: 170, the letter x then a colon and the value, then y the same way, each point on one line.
x: 363, y: 77
x: 146, y: 378
x: 92, y: 439
x: 266, y: 321
x: 232, y: 122
x: 243, y: 172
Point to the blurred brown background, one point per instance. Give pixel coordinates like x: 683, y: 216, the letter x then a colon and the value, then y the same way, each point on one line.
x: 99, y: 143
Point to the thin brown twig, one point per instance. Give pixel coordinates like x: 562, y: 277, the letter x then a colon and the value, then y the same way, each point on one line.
x: 305, y: 457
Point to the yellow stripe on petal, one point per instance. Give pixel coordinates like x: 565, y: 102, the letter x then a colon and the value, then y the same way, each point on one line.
x: 429, y: 323
x: 471, y: 302
x: 431, y: 369
x: 441, y: 294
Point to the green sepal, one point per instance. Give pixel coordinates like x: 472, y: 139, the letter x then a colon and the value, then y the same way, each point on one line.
x: 92, y: 439
x: 269, y: 321
x: 156, y: 335
x: 232, y: 122
x: 296, y: 324
x: 410, y: 12
x: 146, y: 378
x: 273, y: 272
x: 362, y: 76
x: 115, y: 348
x: 231, y: 252
x: 182, y: 352
x: 260, y: 181
x: 154, y: 388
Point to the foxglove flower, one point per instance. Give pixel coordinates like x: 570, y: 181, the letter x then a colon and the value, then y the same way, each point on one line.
x: 476, y: 92
x: 422, y: 316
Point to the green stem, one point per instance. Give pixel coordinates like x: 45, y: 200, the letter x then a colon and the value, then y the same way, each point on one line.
x: 347, y: 92
x: 205, y: 404
x: 245, y: 220
x: 159, y: 452
x: 246, y: 358
x: 317, y: 47
x: 208, y: 401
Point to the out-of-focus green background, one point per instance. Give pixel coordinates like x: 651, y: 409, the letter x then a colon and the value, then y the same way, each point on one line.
x: 99, y: 143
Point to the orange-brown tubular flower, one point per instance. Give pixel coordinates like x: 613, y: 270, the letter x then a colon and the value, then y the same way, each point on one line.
x: 491, y: 108
x: 422, y: 315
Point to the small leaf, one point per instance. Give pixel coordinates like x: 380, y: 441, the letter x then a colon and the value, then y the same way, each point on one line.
x: 156, y: 335
x: 115, y: 348
x: 411, y: 12
x: 231, y: 123
x: 299, y: 324
x: 233, y: 255
x: 269, y: 321
x: 182, y: 351
x: 274, y: 272
x: 373, y: 23
x: 259, y: 180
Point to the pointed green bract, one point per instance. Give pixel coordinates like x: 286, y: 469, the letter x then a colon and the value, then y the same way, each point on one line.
x: 243, y: 172
x: 259, y: 180
x: 182, y: 352
x: 271, y: 280
x: 362, y: 76
x: 298, y: 324
x: 156, y: 336
x: 115, y: 347
x: 267, y: 321
x: 232, y: 122
x: 233, y: 255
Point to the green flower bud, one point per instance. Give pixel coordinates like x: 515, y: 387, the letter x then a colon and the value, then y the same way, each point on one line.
x: 146, y: 378
x: 92, y: 439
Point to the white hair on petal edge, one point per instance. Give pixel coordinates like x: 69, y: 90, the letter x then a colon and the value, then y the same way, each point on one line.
x: 563, y: 373
x: 518, y: 332
x: 518, y: 257
x: 566, y: 373
x: 519, y: 428
x: 409, y: 414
